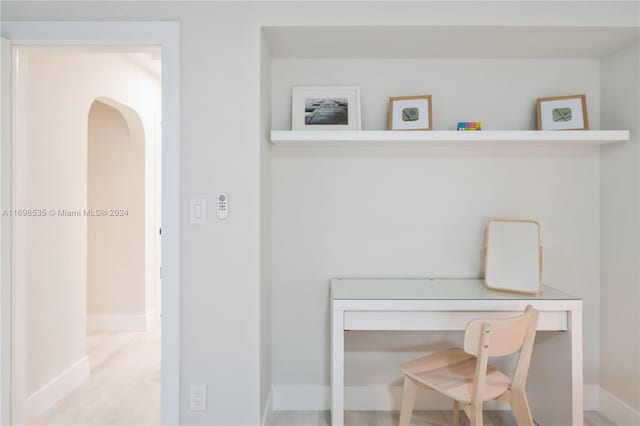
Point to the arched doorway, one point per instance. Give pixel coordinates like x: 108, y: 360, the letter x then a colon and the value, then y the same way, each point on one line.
x: 116, y: 299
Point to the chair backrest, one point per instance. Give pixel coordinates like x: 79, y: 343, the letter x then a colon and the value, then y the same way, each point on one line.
x: 507, y: 335
x: 500, y: 337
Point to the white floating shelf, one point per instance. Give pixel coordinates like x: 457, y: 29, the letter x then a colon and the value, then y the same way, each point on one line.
x: 439, y: 138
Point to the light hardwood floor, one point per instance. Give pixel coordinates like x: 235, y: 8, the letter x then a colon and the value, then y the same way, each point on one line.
x: 124, y: 385
x: 124, y: 390
x: 420, y: 418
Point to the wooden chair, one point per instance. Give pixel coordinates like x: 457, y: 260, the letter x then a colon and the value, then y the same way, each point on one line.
x: 466, y: 377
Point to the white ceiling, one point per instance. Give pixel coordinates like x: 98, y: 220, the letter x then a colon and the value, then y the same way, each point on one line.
x: 448, y: 42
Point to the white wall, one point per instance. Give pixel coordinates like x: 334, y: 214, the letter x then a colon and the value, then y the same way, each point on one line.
x: 266, y: 379
x: 116, y: 244
x: 398, y: 212
x: 220, y: 66
x: 52, y: 174
x: 499, y: 92
x: 620, y: 229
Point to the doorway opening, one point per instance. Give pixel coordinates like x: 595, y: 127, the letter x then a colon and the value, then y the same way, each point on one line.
x: 88, y: 158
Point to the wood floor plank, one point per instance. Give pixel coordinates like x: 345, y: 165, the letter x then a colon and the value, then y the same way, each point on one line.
x: 420, y: 418
x: 123, y: 388
x: 595, y: 418
x: 384, y: 418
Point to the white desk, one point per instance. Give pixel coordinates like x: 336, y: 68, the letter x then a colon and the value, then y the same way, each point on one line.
x: 442, y: 305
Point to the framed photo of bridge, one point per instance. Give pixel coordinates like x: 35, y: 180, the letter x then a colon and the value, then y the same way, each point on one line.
x: 325, y: 108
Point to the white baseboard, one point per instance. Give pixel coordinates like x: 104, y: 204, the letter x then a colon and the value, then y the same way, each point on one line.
x: 361, y: 398
x: 380, y: 398
x: 45, y: 397
x: 117, y: 323
x: 618, y: 411
x: 301, y: 398
x: 591, y: 397
x: 268, y: 410
x: 152, y: 317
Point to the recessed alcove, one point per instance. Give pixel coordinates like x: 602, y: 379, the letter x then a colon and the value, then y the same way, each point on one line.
x: 382, y: 203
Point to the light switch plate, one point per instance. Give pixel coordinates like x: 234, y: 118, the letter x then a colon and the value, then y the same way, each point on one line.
x: 198, y: 211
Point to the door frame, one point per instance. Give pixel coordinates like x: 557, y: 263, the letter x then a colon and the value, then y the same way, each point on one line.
x: 5, y: 230
x: 165, y: 35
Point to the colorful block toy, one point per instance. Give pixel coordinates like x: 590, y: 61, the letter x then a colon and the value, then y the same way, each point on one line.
x: 470, y: 125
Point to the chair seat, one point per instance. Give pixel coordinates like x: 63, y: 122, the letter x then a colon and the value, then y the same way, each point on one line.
x: 452, y: 372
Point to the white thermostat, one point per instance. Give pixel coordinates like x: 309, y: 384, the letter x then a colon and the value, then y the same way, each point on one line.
x: 223, y: 205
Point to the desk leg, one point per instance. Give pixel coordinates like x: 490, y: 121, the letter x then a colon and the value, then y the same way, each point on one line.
x: 337, y: 368
x: 576, y: 368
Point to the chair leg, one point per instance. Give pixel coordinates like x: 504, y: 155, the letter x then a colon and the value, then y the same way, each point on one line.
x: 408, y: 399
x: 476, y: 415
x: 456, y: 413
x: 520, y: 408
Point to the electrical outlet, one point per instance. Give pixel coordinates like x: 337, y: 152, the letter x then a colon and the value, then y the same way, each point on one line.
x: 198, y: 398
